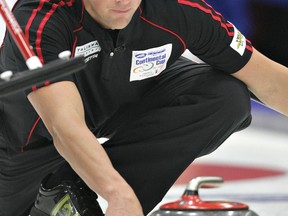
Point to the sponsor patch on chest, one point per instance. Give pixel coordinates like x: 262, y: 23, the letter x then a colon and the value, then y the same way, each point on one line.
x: 149, y: 63
x: 239, y: 42
x: 89, y: 50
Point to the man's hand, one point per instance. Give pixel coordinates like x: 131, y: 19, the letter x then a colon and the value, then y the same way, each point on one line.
x: 124, y: 203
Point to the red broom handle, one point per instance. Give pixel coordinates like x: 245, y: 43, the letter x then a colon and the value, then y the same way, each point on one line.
x: 21, y: 41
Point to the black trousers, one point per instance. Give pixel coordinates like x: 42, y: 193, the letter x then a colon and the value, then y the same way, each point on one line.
x: 188, y: 115
x: 190, y: 112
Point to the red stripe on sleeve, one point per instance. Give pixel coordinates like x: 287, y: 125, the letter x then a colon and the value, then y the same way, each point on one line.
x: 32, y: 17
x: 41, y: 27
x: 209, y: 11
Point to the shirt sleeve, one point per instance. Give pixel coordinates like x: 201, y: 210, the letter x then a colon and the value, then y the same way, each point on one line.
x: 48, y: 33
x: 213, y: 39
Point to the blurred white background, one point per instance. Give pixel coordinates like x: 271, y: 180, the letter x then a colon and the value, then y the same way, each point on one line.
x: 2, y: 23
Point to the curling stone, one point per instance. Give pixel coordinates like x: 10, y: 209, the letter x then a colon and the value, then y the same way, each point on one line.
x: 190, y: 203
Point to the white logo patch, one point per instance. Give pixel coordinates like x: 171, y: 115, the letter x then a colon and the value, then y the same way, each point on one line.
x: 149, y: 63
x: 239, y: 42
x: 89, y: 50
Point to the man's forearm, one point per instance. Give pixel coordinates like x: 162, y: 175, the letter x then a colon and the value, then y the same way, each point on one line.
x: 62, y: 112
x: 89, y: 160
x: 268, y: 80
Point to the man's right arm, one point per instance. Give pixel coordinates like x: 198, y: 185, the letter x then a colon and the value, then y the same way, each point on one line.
x: 60, y: 107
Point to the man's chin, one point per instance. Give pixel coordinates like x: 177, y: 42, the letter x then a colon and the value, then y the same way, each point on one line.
x: 118, y: 27
x: 119, y: 24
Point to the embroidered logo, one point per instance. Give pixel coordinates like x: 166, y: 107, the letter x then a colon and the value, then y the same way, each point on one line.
x: 89, y: 50
x: 149, y: 63
x: 239, y: 42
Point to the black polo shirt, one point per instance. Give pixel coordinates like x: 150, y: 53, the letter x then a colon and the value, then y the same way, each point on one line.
x: 122, y: 65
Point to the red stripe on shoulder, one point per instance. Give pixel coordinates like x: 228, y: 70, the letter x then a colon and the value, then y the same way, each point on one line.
x: 209, y: 10
x: 41, y: 27
x: 32, y: 17
x: 43, y: 22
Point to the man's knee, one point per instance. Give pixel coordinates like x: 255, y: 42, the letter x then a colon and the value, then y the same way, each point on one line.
x: 237, y: 103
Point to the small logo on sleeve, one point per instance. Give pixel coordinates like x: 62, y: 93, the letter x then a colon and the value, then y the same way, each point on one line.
x: 239, y: 42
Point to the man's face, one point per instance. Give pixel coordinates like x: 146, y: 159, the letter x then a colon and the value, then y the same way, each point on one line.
x: 112, y: 14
